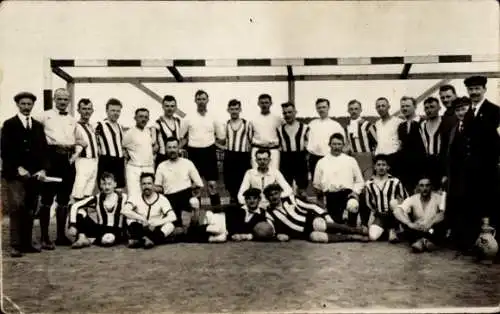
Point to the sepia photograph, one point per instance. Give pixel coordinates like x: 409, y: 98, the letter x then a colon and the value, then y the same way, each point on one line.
x: 250, y: 156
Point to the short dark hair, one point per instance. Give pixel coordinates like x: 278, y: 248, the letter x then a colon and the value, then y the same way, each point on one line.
x: 320, y: 100
x: 287, y: 104
x: 271, y: 188
x: 354, y: 101
x: 200, y: 92
x: 113, y: 102
x: 171, y: 139
x: 107, y: 175
x: 141, y: 109
x: 444, y: 88
x: 147, y: 175
x: 380, y: 157
x: 168, y: 98
x: 382, y: 98
x: 252, y: 192
x: 337, y: 136
x: 21, y: 95
x: 461, y: 101
x: 83, y: 101
x: 413, y: 101
x: 430, y: 100
x: 233, y: 102
x: 263, y: 151
x: 265, y: 96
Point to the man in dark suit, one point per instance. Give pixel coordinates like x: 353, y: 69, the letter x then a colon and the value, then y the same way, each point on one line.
x: 23, y: 152
x: 411, y: 156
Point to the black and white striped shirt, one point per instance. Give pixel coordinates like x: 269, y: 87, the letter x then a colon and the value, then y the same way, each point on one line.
x: 296, y: 142
x: 431, y: 140
x: 109, y: 217
x: 165, y: 129
x: 110, y: 138
x: 86, y: 137
x: 378, y: 199
x: 361, y: 136
x: 238, y: 140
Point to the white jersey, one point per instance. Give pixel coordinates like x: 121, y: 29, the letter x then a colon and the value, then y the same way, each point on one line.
x: 155, y: 209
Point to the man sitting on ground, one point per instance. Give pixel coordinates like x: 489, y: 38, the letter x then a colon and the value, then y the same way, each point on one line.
x: 157, y: 215
x: 296, y: 219
x: 421, y: 215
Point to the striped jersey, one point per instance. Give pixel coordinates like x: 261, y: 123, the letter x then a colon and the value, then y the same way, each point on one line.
x: 106, y: 216
x: 378, y: 198
x: 238, y: 139
x: 431, y: 138
x: 154, y: 210
x: 293, y: 218
x: 110, y: 138
x: 86, y: 137
x: 295, y: 142
x: 361, y: 136
x: 165, y: 129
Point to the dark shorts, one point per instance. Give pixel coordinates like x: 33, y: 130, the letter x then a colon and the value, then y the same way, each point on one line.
x: 180, y: 202
x: 61, y: 168
x: 92, y: 229
x: 385, y: 220
x: 114, y: 165
x: 205, y: 160
x: 312, y: 162
x: 293, y: 166
x: 336, y: 203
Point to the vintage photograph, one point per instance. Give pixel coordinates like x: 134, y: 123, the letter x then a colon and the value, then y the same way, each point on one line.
x: 250, y: 156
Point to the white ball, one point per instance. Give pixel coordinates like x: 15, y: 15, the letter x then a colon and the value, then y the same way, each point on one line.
x: 319, y: 224
x: 194, y: 202
x: 108, y: 238
x: 352, y: 205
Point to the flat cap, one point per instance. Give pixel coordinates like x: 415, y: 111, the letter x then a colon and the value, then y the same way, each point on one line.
x: 477, y: 80
x: 271, y: 188
x: 460, y: 102
x: 252, y: 192
x: 22, y: 95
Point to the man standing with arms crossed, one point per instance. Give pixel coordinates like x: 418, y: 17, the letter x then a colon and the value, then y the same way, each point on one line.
x: 59, y: 128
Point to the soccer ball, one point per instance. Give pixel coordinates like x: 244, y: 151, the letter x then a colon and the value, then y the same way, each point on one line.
x: 108, y: 239
x: 194, y: 203
x: 352, y: 205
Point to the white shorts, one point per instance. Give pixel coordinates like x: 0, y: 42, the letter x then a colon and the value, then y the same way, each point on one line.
x: 86, y: 177
x: 275, y: 158
x: 133, y: 176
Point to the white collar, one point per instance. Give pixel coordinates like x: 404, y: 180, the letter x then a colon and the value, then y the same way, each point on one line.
x: 22, y: 117
x: 478, y: 105
x: 416, y: 118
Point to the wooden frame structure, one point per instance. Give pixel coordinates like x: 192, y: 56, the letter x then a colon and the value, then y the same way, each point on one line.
x: 173, y: 68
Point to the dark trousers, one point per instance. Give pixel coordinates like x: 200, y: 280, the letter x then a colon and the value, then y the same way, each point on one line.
x: 114, y: 165
x: 436, y: 236
x: 293, y: 166
x: 87, y: 226
x: 313, y: 160
x: 59, y: 167
x: 137, y: 231
x: 432, y: 168
x: 180, y: 202
x: 20, y: 198
x: 235, y: 166
x: 336, y: 203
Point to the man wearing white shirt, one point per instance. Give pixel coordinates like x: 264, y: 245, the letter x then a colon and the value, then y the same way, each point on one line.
x: 138, y: 145
x: 263, y: 176
x: 264, y: 128
x: 59, y: 129
x: 386, y: 129
x: 320, y: 130
x: 86, y: 153
x: 339, y: 178
x: 178, y: 179
x: 202, y: 132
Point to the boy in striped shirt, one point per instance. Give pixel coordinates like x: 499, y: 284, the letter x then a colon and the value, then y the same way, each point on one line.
x: 383, y: 194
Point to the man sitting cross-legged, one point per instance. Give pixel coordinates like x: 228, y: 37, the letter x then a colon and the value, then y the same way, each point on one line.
x: 296, y: 219
x: 109, y: 207
x: 383, y: 193
x: 421, y: 215
x: 157, y: 217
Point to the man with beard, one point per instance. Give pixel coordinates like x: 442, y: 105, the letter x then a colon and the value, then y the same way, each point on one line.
x: 167, y: 126
x: 86, y: 153
x: 139, y: 148
x: 178, y: 179
x: 264, y: 127
x: 157, y: 217
x: 110, y: 137
x: 202, y: 132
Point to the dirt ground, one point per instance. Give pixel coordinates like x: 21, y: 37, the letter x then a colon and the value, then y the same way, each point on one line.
x: 236, y: 277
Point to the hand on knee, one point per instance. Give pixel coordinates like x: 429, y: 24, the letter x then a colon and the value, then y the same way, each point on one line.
x: 374, y: 232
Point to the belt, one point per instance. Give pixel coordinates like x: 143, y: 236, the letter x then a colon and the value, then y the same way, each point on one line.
x: 265, y: 147
x: 62, y: 149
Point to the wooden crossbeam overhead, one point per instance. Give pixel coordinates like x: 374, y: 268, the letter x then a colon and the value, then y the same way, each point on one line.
x: 175, y: 72
x: 62, y: 74
x: 155, y: 96
x: 406, y: 71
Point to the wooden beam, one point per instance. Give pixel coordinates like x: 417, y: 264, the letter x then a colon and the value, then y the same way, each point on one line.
x: 155, y: 96
x: 291, y: 83
x: 175, y: 72
x: 70, y: 87
x: 406, y: 71
x: 62, y: 74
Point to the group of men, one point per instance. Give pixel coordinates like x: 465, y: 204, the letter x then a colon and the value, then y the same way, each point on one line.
x: 268, y: 164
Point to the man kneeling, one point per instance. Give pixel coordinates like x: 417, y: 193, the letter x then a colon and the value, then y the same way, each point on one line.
x: 108, y: 205
x: 421, y: 215
x: 296, y: 219
x: 154, y: 217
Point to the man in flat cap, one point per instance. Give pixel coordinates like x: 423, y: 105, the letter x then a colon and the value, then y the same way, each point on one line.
x: 481, y: 168
x: 23, y: 152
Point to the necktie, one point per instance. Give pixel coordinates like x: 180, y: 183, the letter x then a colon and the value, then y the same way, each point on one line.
x: 28, y: 126
x: 408, y: 127
x: 460, y: 126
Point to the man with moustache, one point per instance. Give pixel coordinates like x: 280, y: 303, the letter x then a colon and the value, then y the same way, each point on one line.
x: 202, y: 131
x: 167, y: 126
x: 138, y: 145
x: 264, y: 127
x: 110, y: 137
x: 59, y: 129
x: 24, y: 158
x: 86, y: 153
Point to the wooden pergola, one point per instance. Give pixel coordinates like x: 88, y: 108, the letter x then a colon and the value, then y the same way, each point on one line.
x: 174, y: 68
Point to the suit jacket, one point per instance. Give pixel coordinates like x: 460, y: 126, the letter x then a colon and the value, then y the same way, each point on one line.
x: 22, y: 148
x: 412, y: 147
